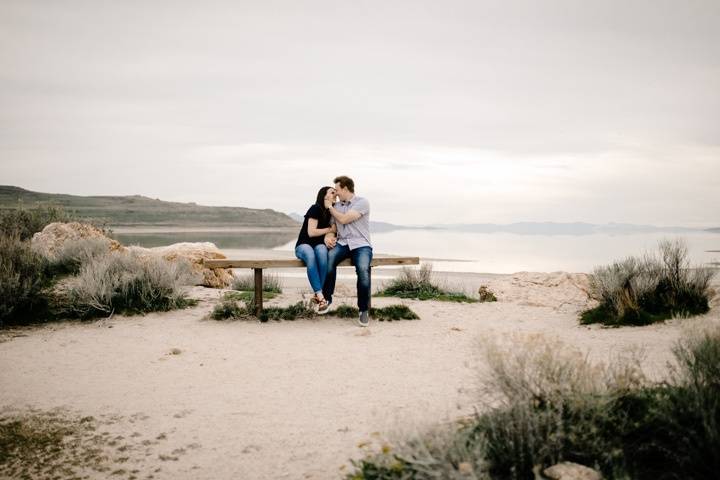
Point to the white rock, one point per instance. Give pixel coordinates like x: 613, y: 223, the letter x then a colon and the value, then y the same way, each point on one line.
x: 571, y: 471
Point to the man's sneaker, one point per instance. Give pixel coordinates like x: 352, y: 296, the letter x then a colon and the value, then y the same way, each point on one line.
x: 324, y: 307
x: 364, y: 319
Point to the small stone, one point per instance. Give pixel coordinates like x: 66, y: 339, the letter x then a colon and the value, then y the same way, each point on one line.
x: 175, y: 351
x: 571, y: 471
x: 465, y: 468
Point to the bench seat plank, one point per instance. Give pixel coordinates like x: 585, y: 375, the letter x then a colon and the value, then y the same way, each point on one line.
x: 290, y: 263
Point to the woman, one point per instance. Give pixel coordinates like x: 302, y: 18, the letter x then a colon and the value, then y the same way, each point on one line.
x: 310, y: 246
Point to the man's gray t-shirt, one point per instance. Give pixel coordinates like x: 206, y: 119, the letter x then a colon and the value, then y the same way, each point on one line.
x: 354, y: 234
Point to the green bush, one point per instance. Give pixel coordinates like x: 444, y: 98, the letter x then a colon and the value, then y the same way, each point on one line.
x: 128, y: 283
x: 640, y: 291
x: 418, y: 284
x: 23, y: 279
x: 23, y: 223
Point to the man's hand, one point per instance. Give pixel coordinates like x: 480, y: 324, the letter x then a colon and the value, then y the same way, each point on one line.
x: 328, y: 203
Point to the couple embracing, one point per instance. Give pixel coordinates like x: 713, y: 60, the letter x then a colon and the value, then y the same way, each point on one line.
x: 337, y: 227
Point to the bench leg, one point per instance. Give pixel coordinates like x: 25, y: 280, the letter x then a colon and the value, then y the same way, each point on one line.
x: 258, y: 291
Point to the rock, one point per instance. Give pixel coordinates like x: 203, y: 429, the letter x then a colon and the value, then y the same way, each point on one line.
x: 54, y: 236
x: 486, y: 295
x: 195, y: 253
x: 465, y: 468
x: 571, y: 471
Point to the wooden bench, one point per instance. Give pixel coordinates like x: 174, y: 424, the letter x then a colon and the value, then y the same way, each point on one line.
x: 259, y: 265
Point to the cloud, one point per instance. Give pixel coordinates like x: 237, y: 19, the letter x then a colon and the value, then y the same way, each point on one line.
x: 485, y: 111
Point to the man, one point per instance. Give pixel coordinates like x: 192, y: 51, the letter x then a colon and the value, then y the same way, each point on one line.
x: 351, y: 214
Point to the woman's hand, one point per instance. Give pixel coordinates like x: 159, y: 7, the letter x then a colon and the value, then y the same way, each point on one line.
x: 330, y: 241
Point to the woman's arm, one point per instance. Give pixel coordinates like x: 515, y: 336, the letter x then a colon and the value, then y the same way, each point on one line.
x: 313, y: 231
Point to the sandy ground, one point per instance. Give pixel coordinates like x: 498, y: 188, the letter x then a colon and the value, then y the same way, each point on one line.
x: 188, y: 397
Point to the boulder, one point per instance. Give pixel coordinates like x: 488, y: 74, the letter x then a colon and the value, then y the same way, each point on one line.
x: 571, y: 471
x: 50, y: 241
x: 195, y: 253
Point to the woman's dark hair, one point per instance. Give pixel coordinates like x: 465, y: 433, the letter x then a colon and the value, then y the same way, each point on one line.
x: 320, y: 202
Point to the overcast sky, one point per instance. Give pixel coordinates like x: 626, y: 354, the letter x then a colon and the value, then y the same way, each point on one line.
x: 442, y: 112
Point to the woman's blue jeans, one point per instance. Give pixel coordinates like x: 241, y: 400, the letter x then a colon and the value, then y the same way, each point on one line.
x: 316, y: 260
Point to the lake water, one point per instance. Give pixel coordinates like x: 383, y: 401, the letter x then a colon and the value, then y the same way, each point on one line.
x: 458, y: 251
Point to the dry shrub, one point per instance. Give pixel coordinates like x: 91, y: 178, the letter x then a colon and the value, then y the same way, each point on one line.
x: 442, y: 452
x: 639, y: 291
x: 127, y: 282
x: 23, y: 279
x: 75, y: 253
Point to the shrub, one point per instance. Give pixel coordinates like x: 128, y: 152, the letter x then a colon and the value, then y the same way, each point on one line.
x: 23, y: 278
x: 246, y: 283
x: 128, y: 283
x: 547, y: 404
x: 417, y: 283
x: 639, y: 291
x: 23, y: 223
x: 550, y: 404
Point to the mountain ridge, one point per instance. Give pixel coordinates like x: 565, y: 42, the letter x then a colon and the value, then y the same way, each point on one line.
x: 138, y: 210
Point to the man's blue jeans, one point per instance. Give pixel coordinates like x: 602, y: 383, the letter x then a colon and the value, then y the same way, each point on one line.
x: 316, y: 261
x: 361, y: 258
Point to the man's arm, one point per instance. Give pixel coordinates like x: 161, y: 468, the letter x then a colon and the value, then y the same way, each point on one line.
x: 350, y: 216
x: 345, y: 218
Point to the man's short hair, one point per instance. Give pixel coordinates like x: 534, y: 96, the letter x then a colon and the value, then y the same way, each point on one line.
x: 345, y: 182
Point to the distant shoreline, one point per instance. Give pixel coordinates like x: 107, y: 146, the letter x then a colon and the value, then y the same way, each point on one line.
x: 126, y: 229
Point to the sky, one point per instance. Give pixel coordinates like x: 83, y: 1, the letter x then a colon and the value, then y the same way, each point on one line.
x: 442, y: 112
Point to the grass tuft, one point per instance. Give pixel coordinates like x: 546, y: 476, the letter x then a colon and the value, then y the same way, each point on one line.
x: 246, y: 283
x: 418, y: 284
x: 237, y: 305
x: 389, y: 313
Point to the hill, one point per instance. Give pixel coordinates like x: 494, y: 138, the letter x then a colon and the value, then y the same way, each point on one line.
x: 137, y: 210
